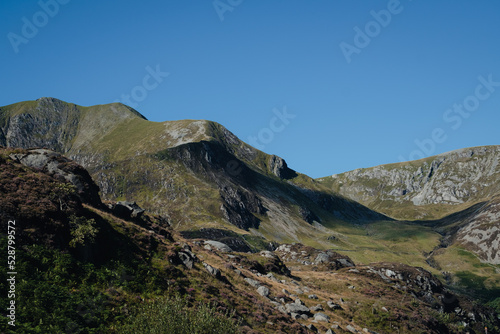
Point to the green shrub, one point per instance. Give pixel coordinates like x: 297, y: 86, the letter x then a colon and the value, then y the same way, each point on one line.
x: 82, y: 230
x: 172, y: 315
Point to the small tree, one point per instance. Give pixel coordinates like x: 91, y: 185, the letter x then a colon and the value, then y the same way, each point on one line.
x: 82, y: 230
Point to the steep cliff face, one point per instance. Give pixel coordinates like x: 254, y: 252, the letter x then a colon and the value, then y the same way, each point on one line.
x: 481, y: 232
x: 427, y: 188
x: 195, y: 173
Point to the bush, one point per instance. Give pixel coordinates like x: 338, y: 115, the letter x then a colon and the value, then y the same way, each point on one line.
x: 172, y: 315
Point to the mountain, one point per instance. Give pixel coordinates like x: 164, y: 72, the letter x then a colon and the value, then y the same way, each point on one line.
x: 200, y: 182
x: 86, y: 267
x: 196, y: 174
x: 429, y: 188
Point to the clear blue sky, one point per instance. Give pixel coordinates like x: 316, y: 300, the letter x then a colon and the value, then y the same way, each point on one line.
x: 271, y: 55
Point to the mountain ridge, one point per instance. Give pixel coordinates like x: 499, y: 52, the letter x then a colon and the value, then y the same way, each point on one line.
x: 166, y: 166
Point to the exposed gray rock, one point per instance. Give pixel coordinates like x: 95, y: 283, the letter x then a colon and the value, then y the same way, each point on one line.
x: 321, y: 317
x: 188, y: 258
x: 253, y: 282
x: 263, y: 291
x: 311, y: 327
x: 351, y: 329
x: 239, y: 207
x: 278, y: 167
x: 333, y: 305
x: 213, y: 271
x: 127, y: 209
x: 312, y: 297
x: 449, y: 178
x: 296, y: 308
x: 317, y: 308
x: 218, y: 245
x: 57, y: 164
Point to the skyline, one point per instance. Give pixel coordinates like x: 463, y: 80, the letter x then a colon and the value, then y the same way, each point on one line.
x: 362, y: 84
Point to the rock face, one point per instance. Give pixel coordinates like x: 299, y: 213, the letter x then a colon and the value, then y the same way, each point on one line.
x: 481, y: 232
x: 60, y: 166
x: 278, y: 167
x: 193, y: 172
x: 218, y: 245
x: 447, y: 179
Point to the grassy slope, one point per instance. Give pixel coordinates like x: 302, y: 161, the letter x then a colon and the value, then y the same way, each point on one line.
x: 128, y: 135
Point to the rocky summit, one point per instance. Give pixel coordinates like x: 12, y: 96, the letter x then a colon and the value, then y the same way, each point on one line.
x: 125, y: 225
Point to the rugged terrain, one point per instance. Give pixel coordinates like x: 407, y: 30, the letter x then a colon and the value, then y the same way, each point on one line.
x: 424, y: 189
x: 195, y: 173
x: 90, y: 267
x: 424, y: 231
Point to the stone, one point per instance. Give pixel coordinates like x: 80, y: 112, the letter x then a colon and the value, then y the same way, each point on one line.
x: 311, y: 327
x: 124, y: 208
x: 351, y: 329
x: 253, y: 282
x: 187, y: 258
x: 268, y: 254
x: 263, y: 291
x: 329, y: 332
x: 317, y: 308
x: 322, y: 258
x: 296, y: 308
x: 299, y: 302
x: 321, y: 317
x: 218, y: 245
x: 333, y: 305
x: 213, y: 271
x: 346, y: 262
x: 312, y: 297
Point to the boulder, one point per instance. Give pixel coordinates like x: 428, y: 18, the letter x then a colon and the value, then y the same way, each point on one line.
x: 263, y: 291
x: 218, y: 245
x: 296, y: 308
x: 312, y: 328
x: 62, y: 167
x: 187, y: 258
x: 317, y: 308
x: 253, y: 282
x: 126, y: 210
x: 321, y: 317
x: 333, y: 305
x: 351, y: 329
x: 213, y: 271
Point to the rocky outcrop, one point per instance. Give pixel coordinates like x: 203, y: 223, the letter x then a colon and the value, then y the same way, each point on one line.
x: 321, y: 260
x: 279, y: 168
x: 481, y: 232
x: 239, y: 207
x: 449, y: 179
x: 55, y: 164
x: 126, y: 210
x: 210, y: 244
